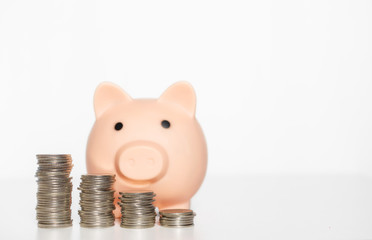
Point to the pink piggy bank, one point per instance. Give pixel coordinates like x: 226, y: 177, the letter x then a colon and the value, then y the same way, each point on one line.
x: 154, y: 144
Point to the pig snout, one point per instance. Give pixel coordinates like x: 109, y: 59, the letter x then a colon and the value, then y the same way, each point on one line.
x: 141, y: 161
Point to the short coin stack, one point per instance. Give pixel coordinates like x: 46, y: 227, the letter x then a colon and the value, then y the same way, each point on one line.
x: 137, y: 209
x: 97, y: 201
x: 54, y: 190
x: 176, y: 217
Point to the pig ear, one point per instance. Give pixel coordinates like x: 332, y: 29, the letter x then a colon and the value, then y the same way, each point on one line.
x: 182, y: 94
x: 106, y: 95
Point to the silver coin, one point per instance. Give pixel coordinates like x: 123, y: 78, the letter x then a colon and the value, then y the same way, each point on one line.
x: 100, y: 225
x: 97, y: 209
x: 97, y: 220
x: 138, y: 212
x: 176, y: 222
x: 176, y: 211
x: 53, y: 218
x: 96, y: 201
x: 53, y: 207
x: 54, y: 225
x: 137, y: 209
x: 176, y: 217
x: 98, y: 176
x: 176, y: 225
x: 53, y: 156
x: 136, y: 192
x: 90, y: 193
x: 137, y: 226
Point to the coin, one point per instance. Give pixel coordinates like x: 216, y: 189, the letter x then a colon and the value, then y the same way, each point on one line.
x: 137, y: 209
x: 176, y: 217
x: 53, y: 209
x: 97, y: 200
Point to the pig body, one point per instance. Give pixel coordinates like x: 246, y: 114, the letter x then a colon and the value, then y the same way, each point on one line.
x: 154, y: 144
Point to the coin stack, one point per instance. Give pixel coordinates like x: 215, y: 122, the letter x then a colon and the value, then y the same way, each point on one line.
x: 137, y: 209
x: 54, y: 190
x: 97, y: 201
x: 176, y: 217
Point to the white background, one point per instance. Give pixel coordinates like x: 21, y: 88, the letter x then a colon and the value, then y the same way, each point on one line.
x: 282, y: 86
x: 283, y: 93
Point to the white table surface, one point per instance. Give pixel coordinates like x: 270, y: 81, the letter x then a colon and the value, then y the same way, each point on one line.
x: 240, y: 207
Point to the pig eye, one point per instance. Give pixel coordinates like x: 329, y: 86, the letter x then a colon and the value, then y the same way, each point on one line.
x: 118, y: 126
x: 165, y: 124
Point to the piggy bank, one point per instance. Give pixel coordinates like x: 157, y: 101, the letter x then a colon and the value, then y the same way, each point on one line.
x: 149, y: 144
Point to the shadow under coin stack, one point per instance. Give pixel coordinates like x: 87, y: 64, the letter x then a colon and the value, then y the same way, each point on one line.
x: 137, y: 209
x: 97, y: 201
x: 176, y: 217
x: 54, y: 190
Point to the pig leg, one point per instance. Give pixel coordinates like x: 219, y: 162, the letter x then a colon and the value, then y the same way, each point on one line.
x: 181, y: 205
x: 117, y: 211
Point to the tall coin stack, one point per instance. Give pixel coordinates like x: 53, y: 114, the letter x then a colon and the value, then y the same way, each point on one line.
x: 54, y: 190
x: 97, y: 201
x: 137, y: 209
x: 176, y: 217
